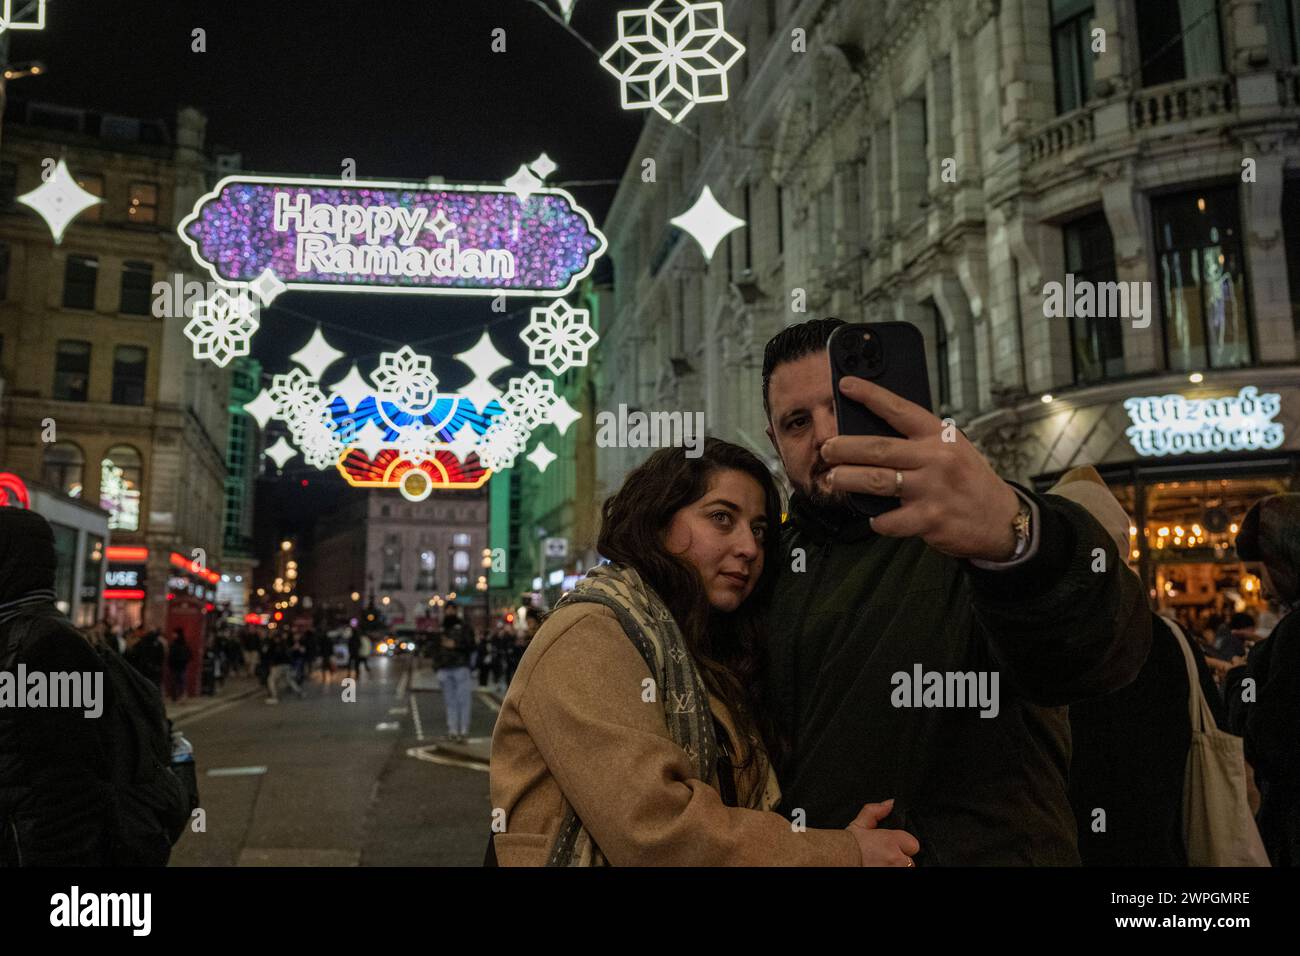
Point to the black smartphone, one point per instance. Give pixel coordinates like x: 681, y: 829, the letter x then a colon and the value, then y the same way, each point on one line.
x: 892, y: 355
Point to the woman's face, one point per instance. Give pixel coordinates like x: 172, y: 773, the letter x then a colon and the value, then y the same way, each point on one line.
x: 721, y: 535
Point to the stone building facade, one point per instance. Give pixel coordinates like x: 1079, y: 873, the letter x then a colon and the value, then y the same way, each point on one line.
x: 943, y: 163
x: 102, y: 400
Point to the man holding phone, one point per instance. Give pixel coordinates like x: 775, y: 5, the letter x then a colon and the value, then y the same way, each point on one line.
x: 881, y: 627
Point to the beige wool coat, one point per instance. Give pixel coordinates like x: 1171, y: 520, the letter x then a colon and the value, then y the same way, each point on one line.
x: 574, y: 726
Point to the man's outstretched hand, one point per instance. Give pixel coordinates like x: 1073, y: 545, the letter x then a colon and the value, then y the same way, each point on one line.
x: 951, y: 497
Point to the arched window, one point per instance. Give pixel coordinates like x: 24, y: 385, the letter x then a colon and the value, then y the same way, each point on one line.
x: 64, y: 468
x: 460, y: 561
x: 121, y: 477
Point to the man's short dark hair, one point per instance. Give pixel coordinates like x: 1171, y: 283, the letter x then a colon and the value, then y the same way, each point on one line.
x: 794, y: 343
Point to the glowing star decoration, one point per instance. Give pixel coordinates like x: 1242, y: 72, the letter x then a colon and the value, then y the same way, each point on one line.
x: 223, y: 327
x: 563, y: 415
x: 7, y: 21
x: 462, y: 446
x: 529, y: 400
x: 418, y: 443
x: 440, y: 225
x: 481, y: 393
x: 359, y: 236
x: 267, y: 287
x: 566, y: 8
x: 541, y: 456
x: 406, y: 380
x: 708, y: 222
x: 523, y: 183
x: 483, y: 359
x: 317, y: 355
x: 543, y: 166
x: 263, y: 408
x: 352, y: 388
x: 671, y: 56
x: 559, y: 337
x: 280, y: 452
x: 59, y: 201
x: 371, y: 440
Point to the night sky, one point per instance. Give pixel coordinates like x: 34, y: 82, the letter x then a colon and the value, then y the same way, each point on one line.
x: 407, y: 88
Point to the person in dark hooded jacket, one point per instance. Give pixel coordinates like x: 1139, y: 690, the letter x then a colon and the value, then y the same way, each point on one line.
x: 54, y: 773
x: 1270, y: 534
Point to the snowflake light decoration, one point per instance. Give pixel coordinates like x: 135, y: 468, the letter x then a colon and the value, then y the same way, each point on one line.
x: 406, y: 379
x: 559, y: 337
x: 529, y: 400
x: 671, y: 56
x: 297, y: 397
x: 502, y: 443
x: 7, y: 21
x: 417, y: 443
x: 222, y: 327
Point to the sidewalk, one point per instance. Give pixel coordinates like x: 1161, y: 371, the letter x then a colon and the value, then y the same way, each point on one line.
x: 233, y: 688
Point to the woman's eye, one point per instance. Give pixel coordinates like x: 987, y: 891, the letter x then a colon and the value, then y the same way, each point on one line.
x: 721, y: 517
x: 760, y: 534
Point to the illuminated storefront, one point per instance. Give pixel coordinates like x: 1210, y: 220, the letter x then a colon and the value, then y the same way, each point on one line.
x: 1186, y: 462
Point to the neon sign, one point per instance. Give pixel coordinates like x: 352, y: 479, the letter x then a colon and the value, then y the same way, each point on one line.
x: 13, y: 492
x: 379, y: 236
x: 1174, y: 425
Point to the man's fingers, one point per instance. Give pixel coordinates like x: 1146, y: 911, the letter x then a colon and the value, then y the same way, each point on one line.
x: 875, y: 450
x: 907, y: 417
x: 872, y: 481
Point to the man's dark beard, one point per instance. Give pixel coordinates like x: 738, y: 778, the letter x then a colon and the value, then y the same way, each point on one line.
x: 833, y: 504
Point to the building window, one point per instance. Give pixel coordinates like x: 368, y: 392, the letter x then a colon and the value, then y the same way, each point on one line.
x: 460, y: 561
x: 1282, y: 23
x: 1178, y: 39
x: 121, y: 477
x: 137, y: 288
x: 95, y: 186
x: 64, y: 468
x: 1291, y: 235
x: 392, y: 563
x: 79, y: 275
x: 1097, y: 341
x: 129, y: 372
x: 142, y: 205
x: 426, y: 580
x: 941, y: 356
x: 460, y: 540
x: 1072, y: 56
x: 4, y: 271
x: 1202, y: 277
x: 72, y: 371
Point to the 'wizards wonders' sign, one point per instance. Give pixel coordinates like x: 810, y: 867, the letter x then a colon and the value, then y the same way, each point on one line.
x: 354, y: 236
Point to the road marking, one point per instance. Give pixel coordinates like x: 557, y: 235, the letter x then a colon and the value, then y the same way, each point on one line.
x: 186, y: 719
x: 401, y: 684
x: 488, y: 699
x: 388, y: 725
x: 236, y: 771
x: 393, y: 711
x: 424, y: 753
x: 415, y: 715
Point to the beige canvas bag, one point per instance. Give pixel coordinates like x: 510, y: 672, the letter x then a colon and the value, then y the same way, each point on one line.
x: 1218, y: 827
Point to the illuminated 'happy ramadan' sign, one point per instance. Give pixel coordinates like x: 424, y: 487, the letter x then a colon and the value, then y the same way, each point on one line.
x: 1173, y: 425
x: 355, y: 236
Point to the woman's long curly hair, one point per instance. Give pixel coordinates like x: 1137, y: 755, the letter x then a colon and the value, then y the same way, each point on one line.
x: 726, y: 647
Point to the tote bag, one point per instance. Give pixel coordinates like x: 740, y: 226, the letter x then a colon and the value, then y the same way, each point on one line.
x: 1218, y: 827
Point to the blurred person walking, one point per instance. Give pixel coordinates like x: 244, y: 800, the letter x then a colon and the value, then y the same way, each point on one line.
x: 451, y: 662
x: 178, y: 661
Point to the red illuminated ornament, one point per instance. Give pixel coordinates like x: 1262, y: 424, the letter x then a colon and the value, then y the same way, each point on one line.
x: 13, y: 492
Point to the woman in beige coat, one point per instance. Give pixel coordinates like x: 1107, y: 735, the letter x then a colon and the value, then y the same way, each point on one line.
x: 632, y: 732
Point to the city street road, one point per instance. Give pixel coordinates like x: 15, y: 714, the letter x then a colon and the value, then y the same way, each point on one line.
x: 321, y: 782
